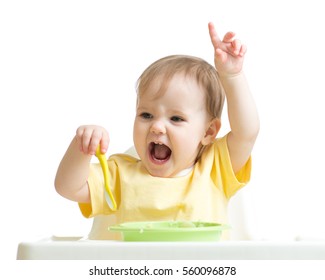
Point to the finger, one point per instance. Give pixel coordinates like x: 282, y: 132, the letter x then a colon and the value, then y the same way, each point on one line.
x: 94, y: 141
x: 243, y: 50
x: 104, y: 143
x: 213, y: 35
x: 79, y: 137
x: 236, y: 45
x: 229, y: 37
x: 85, y: 140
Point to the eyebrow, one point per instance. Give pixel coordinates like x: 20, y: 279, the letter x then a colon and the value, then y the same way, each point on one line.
x: 142, y: 108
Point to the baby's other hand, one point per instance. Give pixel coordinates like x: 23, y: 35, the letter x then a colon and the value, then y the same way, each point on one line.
x: 90, y: 136
x: 228, y: 53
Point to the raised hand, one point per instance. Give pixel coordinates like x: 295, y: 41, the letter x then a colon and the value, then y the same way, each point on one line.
x: 228, y: 53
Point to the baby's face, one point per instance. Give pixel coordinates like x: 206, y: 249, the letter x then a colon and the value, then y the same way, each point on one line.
x: 168, y: 129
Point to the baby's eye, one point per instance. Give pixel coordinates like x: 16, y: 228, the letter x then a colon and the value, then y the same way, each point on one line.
x: 177, y: 119
x: 146, y: 115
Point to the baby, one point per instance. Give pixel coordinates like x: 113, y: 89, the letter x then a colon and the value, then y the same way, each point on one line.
x: 183, y: 171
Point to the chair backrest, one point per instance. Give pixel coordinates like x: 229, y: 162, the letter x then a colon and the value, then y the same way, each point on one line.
x: 241, y: 216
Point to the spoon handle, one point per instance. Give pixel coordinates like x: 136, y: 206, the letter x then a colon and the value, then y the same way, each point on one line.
x: 108, y: 194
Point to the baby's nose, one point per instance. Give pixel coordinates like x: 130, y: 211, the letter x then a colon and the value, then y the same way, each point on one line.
x: 158, y: 127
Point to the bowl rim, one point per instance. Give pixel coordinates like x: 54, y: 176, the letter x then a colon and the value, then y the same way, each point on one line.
x: 142, y: 227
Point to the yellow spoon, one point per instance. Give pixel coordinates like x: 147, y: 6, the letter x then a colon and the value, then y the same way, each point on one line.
x: 108, y: 194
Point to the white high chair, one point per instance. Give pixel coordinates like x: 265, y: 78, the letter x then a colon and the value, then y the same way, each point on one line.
x: 244, y: 244
x: 102, y: 244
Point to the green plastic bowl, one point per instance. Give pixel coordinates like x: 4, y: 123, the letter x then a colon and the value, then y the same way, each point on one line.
x: 170, y: 231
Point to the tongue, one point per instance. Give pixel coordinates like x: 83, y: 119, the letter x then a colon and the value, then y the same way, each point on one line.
x: 161, y: 151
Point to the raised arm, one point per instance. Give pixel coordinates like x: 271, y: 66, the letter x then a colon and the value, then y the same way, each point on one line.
x: 72, y: 175
x: 242, y: 113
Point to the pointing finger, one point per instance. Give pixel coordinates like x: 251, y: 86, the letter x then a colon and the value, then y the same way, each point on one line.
x: 213, y: 35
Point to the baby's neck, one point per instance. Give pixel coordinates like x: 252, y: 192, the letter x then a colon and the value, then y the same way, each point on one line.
x: 184, y: 172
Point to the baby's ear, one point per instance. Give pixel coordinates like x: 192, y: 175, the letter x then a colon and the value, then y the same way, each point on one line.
x: 211, y: 132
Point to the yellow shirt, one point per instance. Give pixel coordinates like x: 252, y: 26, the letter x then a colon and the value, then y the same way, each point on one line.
x: 200, y: 195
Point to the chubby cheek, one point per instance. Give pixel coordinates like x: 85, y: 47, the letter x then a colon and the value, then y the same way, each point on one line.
x: 139, y: 138
x: 187, y: 148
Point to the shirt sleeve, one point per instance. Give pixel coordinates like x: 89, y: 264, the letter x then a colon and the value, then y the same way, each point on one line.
x: 231, y: 182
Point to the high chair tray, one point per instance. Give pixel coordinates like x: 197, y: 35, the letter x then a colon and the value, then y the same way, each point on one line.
x: 78, y: 248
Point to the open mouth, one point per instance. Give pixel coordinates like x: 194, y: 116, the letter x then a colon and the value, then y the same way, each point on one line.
x: 159, y: 153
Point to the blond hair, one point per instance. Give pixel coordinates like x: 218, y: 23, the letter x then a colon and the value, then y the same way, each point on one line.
x: 161, y: 72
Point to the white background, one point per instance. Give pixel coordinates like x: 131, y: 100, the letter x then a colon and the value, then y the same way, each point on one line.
x: 67, y: 63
